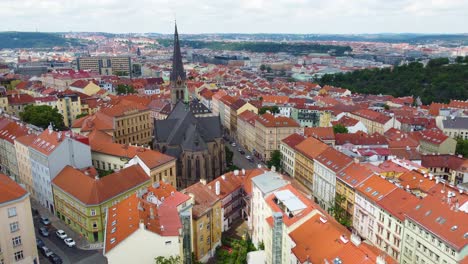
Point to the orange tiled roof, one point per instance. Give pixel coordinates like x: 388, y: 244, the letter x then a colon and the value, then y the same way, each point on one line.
x: 354, y: 174
x: 91, y: 191
x: 375, y: 188
x: 333, y: 159
x: 153, y: 158
x: 293, y: 140
x: 398, y: 203
x: 49, y: 140
x: 372, y: 115
x: 311, y: 147
x: 322, y: 133
x: 10, y: 190
x: 345, y: 121
x: 269, y: 120
x: 205, y: 198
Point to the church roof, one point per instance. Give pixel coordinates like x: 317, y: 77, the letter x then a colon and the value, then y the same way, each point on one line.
x: 177, y: 66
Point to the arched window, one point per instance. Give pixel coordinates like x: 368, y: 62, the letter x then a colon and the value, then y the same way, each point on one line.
x: 189, y: 167
x: 177, y: 95
x: 197, y: 168
x: 181, y: 95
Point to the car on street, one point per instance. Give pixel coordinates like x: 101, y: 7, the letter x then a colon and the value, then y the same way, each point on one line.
x: 233, y: 144
x: 61, y: 234
x: 69, y: 242
x: 39, y: 243
x: 242, y: 152
x: 55, y: 259
x: 249, y: 158
x: 45, y: 221
x: 44, y: 231
x: 46, y: 251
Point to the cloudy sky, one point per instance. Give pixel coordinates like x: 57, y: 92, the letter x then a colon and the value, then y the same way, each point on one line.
x: 243, y: 16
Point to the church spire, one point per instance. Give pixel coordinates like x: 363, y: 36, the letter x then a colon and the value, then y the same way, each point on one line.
x: 177, y: 66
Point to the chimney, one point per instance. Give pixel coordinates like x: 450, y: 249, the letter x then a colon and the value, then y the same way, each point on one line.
x: 243, y: 171
x: 203, y: 181
x: 218, y: 188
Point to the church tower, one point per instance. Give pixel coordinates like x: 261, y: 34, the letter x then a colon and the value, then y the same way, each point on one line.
x: 178, y: 77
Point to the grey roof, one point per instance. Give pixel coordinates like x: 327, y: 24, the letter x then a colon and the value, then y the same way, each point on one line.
x: 269, y: 182
x: 181, y: 128
x: 456, y: 123
x: 177, y: 66
x: 291, y: 201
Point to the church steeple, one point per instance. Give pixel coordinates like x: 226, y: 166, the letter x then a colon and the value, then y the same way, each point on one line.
x: 178, y: 77
x: 177, y: 66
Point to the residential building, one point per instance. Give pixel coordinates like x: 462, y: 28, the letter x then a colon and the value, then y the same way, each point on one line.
x: 61, y: 79
x: 82, y: 198
x: 346, y: 183
x: 288, y: 152
x: 69, y: 105
x: 453, y: 169
x: 9, y: 130
x: 22, y: 144
x: 158, y: 166
x: 455, y: 127
x: 270, y: 130
x: 49, y: 153
x: 160, y: 216
x: 359, y: 140
x: 366, y: 210
x: 17, y: 239
x: 353, y: 125
x: 207, y: 220
x: 238, y: 107
x: 306, y: 116
x: 306, y: 152
x: 435, y: 231
x: 17, y: 102
x: 325, y: 134
x: 246, y: 130
x: 327, y: 166
x: 433, y: 141
x: 104, y: 65
x: 86, y: 87
x: 375, y: 121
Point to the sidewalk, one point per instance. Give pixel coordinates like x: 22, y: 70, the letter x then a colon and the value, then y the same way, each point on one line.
x: 81, y: 242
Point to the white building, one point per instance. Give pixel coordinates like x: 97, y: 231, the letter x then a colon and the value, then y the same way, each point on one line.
x: 288, y: 153
x: 50, y: 152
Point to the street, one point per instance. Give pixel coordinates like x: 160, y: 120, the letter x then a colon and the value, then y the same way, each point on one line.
x: 68, y: 255
x: 239, y: 159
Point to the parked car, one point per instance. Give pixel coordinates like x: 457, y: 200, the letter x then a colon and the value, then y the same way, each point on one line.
x: 55, y: 259
x: 39, y: 243
x: 44, y: 231
x: 242, y: 152
x: 233, y: 144
x: 46, y: 251
x: 45, y: 221
x: 249, y: 158
x: 69, y: 242
x: 61, y: 234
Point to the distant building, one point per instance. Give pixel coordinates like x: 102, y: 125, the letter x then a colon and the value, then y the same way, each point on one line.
x: 17, y: 239
x: 119, y: 65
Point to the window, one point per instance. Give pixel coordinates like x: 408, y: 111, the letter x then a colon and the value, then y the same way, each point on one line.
x: 19, y: 255
x: 12, y: 212
x: 201, y: 226
x: 14, y: 227
x: 16, y: 241
x: 168, y: 243
x: 201, y: 238
x: 93, y: 212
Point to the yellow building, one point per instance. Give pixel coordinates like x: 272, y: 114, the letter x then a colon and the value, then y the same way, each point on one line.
x: 346, y: 182
x: 69, y: 105
x: 207, y: 220
x: 270, y: 130
x: 81, y: 198
x: 17, y: 239
x: 375, y: 121
x: 24, y: 164
x: 306, y: 152
x: 325, y: 118
x: 4, y: 103
x: 246, y: 129
x: 86, y: 87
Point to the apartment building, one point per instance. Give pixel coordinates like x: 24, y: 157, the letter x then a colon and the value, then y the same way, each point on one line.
x: 451, y: 168
x: 435, y: 229
x: 22, y: 144
x: 454, y: 127
x: 9, y: 130
x: 106, y: 65
x: 82, y: 197
x: 433, y: 141
x: 246, y: 130
x: 17, y: 239
x: 306, y: 152
x: 207, y: 220
x: 288, y: 152
x: 158, y: 215
x: 327, y: 165
x: 159, y: 166
x: 69, y: 105
x: 49, y: 153
x: 375, y: 121
x: 270, y: 130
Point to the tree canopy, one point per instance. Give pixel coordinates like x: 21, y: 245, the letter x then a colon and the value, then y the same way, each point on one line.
x: 125, y: 89
x: 462, y: 147
x: 14, y: 40
x: 169, y: 260
x: 275, y: 160
x: 339, y: 129
x: 273, y: 109
x: 437, y: 81
x: 42, y: 116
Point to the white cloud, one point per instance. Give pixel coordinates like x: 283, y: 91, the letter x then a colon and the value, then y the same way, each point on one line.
x: 196, y: 16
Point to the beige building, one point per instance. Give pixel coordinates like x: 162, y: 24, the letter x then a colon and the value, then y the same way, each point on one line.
x: 288, y: 152
x: 69, y: 105
x: 9, y: 130
x: 375, y: 121
x: 270, y: 130
x: 453, y: 127
x: 433, y: 141
x: 120, y: 65
x: 246, y: 129
x: 24, y: 163
x: 17, y: 239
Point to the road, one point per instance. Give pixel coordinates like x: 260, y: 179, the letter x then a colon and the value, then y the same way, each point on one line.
x: 68, y: 255
x: 239, y: 159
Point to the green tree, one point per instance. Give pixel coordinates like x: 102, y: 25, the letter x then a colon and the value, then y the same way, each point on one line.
x: 125, y: 89
x: 229, y: 155
x: 121, y: 73
x: 462, y: 147
x: 262, y: 67
x: 42, y: 116
x: 339, y: 213
x: 340, y: 129
x: 273, y: 109
x: 386, y: 107
x: 269, y: 70
x: 13, y: 84
x: 275, y: 160
x: 81, y: 115
x: 169, y: 260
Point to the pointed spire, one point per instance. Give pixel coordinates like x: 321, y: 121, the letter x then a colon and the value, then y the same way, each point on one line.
x: 177, y: 66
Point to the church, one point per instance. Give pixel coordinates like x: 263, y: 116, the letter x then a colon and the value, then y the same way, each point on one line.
x: 195, y: 140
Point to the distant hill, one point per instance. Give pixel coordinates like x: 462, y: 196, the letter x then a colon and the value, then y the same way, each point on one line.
x: 439, y: 81
x: 12, y: 40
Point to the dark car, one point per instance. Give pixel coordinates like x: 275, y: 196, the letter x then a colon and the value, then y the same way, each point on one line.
x: 39, y: 243
x: 45, y: 221
x: 44, y: 231
x: 55, y: 259
x: 242, y: 152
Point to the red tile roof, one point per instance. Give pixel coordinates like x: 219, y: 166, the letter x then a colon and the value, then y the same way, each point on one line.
x: 334, y: 160
x: 372, y: 115
x: 398, y: 203
x: 375, y: 188
x: 205, y: 199
x: 360, y: 138
x: 322, y: 133
x: 445, y: 161
x: 345, y: 121
x: 91, y: 191
x: 311, y: 147
x: 48, y: 140
x: 153, y: 158
x: 293, y: 140
x: 269, y: 120
x: 10, y: 190
x: 416, y: 181
x: 354, y: 174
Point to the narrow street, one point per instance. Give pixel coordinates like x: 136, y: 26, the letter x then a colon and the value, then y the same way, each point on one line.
x: 239, y: 159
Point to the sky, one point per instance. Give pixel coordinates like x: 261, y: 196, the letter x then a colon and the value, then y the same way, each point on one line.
x: 236, y: 16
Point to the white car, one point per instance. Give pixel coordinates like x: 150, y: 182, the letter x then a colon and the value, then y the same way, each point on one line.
x: 69, y: 242
x: 61, y: 234
x: 233, y: 144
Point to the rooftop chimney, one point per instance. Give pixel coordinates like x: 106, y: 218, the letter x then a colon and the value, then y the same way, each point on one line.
x: 203, y: 181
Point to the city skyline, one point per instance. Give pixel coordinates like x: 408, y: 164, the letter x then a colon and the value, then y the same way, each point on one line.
x: 255, y: 16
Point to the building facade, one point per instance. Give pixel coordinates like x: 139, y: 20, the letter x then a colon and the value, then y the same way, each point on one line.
x: 118, y: 65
